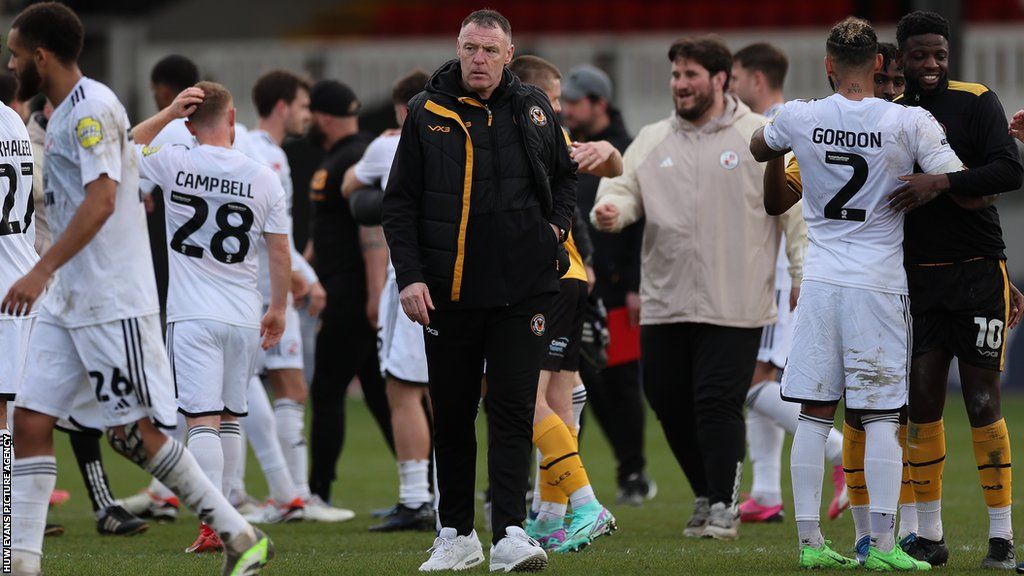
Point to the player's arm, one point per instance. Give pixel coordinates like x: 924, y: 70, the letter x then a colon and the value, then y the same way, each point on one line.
x: 779, y: 196
x: 350, y: 182
x: 1017, y: 126
x: 183, y: 105
x: 375, y: 257
x: 618, y: 202
x: 1002, y: 170
x: 92, y: 214
x: 761, y: 150
x: 598, y: 158
x: 795, y: 229
x: 563, y: 180
x: 280, y: 267
x: 931, y: 151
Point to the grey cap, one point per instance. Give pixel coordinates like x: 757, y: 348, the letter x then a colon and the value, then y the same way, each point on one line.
x: 586, y: 80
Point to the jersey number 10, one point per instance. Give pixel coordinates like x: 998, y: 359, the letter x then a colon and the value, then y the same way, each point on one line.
x: 225, y: 229
x: 9, y: 172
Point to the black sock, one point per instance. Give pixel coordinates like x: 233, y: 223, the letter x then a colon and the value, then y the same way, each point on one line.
x: 87, y: 451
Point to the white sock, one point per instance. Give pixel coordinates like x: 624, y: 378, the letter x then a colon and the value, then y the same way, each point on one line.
x: 807, y: 466
x: 908, y: 520
x: 834, y: 447
x: 32, y: 481
x: 582, y: 496
x: 413, y: 484
x: 204, y: 444
x: 764, y: 439
x: 929, y: 520
x: 535, y: 503
x: 999, y: 523
x: 766, y: 399
x: 579, y: 401
x: 155, y: 486
x: 233, y: 450
x: 551, y: 511
x: 174, y: 466
x: 883, y: 473
x: 290, y: 416
x: 261, y: 427
x: 861, y: 521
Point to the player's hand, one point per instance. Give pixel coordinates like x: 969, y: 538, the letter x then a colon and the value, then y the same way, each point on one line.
x: 633, y: 308
x: 24, y: 293
x: 271, y: 328
x: 416, y: 302
x: 185, y: 103
x: 299, y: 287
x: 1017, y: 125
x: 1016, y: 306
x: 591, y: 277
x: 148, y: 203
x: 607, y: 217
x: 919, y: 189
x: 591, y: 155
x: 317, y: 299
x: 794, y: 296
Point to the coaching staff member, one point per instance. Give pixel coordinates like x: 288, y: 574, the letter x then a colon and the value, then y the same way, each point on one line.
x: 481, y: 196
x: 707, y: 272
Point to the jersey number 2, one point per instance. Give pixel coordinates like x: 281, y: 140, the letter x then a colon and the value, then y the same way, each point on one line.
x: 836, y: 208
x: 225, y: 229
x: 9, y: 172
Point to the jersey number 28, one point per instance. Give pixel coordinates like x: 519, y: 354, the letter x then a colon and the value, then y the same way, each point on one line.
x: 836, y: 208
x: 225, y: 229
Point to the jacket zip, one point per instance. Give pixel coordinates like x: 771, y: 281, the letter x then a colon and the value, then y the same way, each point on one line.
x: 496, y: 172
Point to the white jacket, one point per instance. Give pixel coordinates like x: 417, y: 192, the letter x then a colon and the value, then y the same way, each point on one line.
x: 709, y: 248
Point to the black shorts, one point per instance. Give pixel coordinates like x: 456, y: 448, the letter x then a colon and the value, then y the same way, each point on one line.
x: 962, y: 307
x: 565, y: 327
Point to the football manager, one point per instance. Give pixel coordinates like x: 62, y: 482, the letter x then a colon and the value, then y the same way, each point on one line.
x: 480, y: 199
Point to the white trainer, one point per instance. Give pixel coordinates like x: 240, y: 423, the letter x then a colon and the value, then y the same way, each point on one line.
x: 319, y: 511
x: 453, y: 552
x: 517, y: 552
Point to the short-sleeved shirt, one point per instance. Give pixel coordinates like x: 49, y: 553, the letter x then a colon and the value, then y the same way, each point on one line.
x: 219, y: 203
x: 851, y: 155
x: 112, y: 277
x: 375, y: 165
x: 338, y: 257
x: 17, y: 231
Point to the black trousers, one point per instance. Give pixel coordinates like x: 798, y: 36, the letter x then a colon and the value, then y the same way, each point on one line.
x: 616, y: 399
x: 458, y: 342
x: 344, y: 348
x: 696, y: 377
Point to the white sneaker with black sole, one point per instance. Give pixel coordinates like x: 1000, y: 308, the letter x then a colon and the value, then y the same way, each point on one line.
x: 453, y: 552
x: 517, y: 552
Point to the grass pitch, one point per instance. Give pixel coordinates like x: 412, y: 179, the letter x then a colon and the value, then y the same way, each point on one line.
x: 649, y: 540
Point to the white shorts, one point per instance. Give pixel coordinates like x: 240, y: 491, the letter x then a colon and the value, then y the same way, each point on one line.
x: 288, y: 352
x: 852, y: 343
x: 212, y: 363
x: 400, y: 340
x: 14, y: 337
x: 777, y: 339
x: 100, y: 376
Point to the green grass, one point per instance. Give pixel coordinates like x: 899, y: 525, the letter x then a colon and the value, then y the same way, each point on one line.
x: 649, y: 539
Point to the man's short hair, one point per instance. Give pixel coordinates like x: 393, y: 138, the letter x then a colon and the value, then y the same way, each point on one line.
x: 8, y: 88
x: 216, y: 100
x: 488, y: 18
x: 176, y: 72
x: 709, y: 51
x: 534, y: 70
x: 274, y: 86
x: 767, y: 59
x: 852, y: 43
x: 888, y: 51
x: 408, y: 86
x: 51, y: 26
x: 921, y: 22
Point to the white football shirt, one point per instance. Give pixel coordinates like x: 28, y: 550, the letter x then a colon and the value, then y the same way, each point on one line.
x: 375, y: 165
x: 851, y: 155
x: 218, y: 204
x: 17, y: 231
x: 112, y: 277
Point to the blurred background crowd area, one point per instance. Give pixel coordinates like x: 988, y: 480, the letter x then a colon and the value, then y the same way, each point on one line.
x: 369, y: 43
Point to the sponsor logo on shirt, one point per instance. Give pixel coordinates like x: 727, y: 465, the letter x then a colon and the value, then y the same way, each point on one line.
x: 439, y: 128
x: 150, y: 150
x: 729, y: 159
x: 537, y: 116
x: 319, y: 181
x: 537, y: 324
x: 89, y: 132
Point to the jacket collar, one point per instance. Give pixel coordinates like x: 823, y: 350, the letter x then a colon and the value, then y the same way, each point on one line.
x: 447, y: 81
x: 734, y: 110
x: 914, y: 95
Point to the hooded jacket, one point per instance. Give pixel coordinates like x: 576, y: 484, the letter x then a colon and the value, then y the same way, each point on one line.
x: 709, y: 248
x: 473, y: 188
